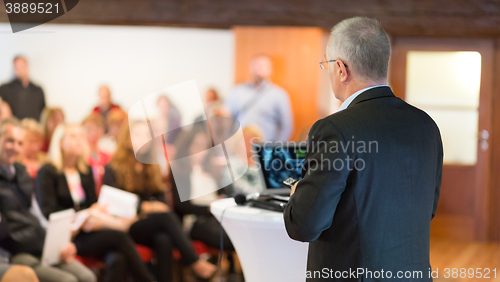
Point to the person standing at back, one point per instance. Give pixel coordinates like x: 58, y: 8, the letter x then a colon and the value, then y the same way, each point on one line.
x: 26, y: 99
x: 262, y: 102
x: 372, y: 174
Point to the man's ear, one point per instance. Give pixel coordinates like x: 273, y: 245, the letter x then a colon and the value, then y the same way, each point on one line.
x: 344, y: 73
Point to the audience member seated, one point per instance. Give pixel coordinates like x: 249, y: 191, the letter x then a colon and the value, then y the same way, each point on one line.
x: 211, y: 102
x: 250, y: 181
x: 157, y: 227
x: 25, y: 234
x: 116, y: 119
x: 26, y: 100
x: 105, y: 105
x: 32, y: 156
x: 66, y: 181
x: 10, y: 273
x: 197, y: 178
x: 51, y: 118
x: 169, y: 118
x: 93, y: 126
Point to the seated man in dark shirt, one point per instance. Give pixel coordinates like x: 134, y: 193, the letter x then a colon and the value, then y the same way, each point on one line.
x: 26, y: 236
x: 26, y: 100
x: 13, y: 273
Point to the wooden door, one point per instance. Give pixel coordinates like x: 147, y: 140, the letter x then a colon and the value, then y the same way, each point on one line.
x: 463, y: 210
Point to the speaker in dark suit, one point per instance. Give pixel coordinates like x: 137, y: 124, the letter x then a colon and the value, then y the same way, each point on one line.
x: 372, y: 174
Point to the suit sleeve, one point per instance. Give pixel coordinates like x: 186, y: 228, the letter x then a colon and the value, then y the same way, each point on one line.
x: 439, y: 174
x: 46, y: 190
x: 311, y: 209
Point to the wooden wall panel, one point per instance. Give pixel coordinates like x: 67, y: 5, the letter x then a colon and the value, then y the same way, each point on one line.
x: 295, y: 53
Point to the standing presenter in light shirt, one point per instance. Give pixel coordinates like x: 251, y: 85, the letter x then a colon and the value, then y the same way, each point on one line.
x: 262, y: 103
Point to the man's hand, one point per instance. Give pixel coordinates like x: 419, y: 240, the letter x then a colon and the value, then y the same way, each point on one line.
x: 68, y: 253
x: 293, y: 188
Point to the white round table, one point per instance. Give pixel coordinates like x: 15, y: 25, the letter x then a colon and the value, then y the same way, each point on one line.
x: 263, y: 246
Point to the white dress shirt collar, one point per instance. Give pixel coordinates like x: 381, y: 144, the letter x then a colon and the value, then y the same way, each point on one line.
x: 351, y: 98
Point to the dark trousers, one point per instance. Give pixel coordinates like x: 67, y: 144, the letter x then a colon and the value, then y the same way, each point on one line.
x: 117, y: 250
x: 162, y: 232
x: 207, y: 229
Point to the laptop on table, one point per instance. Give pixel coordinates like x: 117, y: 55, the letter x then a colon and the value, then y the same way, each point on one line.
x: 277, y: 162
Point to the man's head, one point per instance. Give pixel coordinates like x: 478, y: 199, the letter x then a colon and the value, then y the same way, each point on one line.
x: 362, y: 50
x: 104, y: 98
x: 261, y: 68
x: 11, y: 141
x: 21, y: 67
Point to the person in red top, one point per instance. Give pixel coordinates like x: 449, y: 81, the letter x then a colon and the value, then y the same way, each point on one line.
x: 105, y: 105
x: 93, y: 126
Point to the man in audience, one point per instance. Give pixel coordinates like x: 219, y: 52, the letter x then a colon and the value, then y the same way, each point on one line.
x: 262, y: 103
x: 26, y: 100
x: 26, y: 235
x: 105, y: 104
x: 13, y: 273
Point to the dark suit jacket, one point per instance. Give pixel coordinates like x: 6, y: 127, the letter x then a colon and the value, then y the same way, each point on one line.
x: 374, y: 215
x: 24, y: 232
x: 53, y: 193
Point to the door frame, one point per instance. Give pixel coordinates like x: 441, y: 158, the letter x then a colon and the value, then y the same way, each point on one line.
x: 482, y: 191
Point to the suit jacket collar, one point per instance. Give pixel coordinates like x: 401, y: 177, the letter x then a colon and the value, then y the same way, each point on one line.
x: 374, y: 93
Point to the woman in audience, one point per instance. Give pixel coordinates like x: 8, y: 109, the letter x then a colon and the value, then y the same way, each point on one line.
x: 157, y: 227
x: 250, y: 181
x: 50, y: 119
x: 116, y: 119
x: 93, y: 126
x: 65, y: 182
x: 200, y: 176
x: 32, y: 156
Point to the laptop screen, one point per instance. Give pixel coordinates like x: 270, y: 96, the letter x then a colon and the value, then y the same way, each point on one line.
x: 278, y: 162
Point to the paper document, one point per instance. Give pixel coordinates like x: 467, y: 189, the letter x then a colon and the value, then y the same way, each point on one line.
x: 120, y: 203
x: 58, y: 236
x: 79, y: 219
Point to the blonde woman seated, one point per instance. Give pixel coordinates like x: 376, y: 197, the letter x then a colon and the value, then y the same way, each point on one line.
x: 65, y: 182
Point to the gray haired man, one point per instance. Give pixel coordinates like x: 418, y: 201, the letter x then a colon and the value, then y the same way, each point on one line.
x: 372, y: 174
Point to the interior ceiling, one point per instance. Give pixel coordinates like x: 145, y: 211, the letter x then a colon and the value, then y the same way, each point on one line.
x: 453, y: 18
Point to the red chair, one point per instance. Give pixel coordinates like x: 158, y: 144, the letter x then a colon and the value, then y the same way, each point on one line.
x: 96, y: 265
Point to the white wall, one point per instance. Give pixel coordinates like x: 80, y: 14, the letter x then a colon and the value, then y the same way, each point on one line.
x: 70, y: 62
